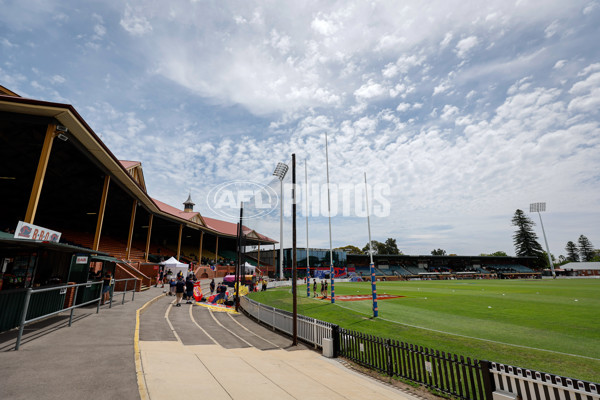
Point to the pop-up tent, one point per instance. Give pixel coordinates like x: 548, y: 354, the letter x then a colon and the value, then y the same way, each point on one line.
x: 175, y: 266
x: 249, y: 268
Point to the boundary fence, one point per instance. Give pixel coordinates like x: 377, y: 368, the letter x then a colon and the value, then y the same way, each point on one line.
x: 450, y: 374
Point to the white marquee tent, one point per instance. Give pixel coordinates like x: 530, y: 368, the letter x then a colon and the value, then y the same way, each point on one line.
x: 175, y: 266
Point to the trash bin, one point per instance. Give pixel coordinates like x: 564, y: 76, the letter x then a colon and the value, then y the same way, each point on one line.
x: 328, y: 347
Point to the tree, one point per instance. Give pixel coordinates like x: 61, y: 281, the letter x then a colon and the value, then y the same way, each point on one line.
x: 586, y: 249
x: 572, y: 252
x: 495, y: 254
x: 350, y: 249
x: 525, y: 239
x: 378, y: 248
x: 438, y: 252
x: 391, y: 247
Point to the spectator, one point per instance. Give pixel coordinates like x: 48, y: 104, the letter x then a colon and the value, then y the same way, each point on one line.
x: 189, y: 289
x: 179, y: 290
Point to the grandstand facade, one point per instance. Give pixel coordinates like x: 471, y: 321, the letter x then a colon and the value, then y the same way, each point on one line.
x: 56, y: 173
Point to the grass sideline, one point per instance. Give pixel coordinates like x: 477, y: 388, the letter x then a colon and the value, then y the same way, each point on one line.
x: 547, y: 325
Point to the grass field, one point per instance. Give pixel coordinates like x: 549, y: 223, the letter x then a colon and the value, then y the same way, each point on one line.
x: 547, y: 325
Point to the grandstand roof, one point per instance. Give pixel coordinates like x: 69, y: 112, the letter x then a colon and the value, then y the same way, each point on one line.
x: 581, y: 265
x: 128, y: 174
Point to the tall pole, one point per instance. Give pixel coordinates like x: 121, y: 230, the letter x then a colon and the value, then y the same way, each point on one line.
x: 537, y: 207
x: 331, y: 270
x: 280, y: 172
x: 372, y: 265
x: 281, y: 230
x: 307, y: 248
x: 236, y: 285
x: 294, y: 259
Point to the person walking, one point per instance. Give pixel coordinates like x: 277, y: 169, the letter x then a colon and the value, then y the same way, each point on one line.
x: 212, y: 286
x: 179, y: 289
x: 322, y: 288
x: 325, y: 291
x: 189, y: 289
x: 107, y: 281
x: 314, y: 288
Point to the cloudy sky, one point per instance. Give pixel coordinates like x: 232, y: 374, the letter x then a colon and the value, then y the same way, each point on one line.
x: 469, y: 110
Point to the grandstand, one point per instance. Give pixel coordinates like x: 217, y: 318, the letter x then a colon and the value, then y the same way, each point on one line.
x: 57, y: 174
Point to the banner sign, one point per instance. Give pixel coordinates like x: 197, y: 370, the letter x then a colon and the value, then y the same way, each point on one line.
x: 81, y: 260
x: 34, y: 232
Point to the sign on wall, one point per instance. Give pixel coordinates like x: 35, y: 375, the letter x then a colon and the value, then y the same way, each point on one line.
x: 34, y: 232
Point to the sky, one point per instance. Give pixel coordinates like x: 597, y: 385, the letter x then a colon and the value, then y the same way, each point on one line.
x: 464, y: 110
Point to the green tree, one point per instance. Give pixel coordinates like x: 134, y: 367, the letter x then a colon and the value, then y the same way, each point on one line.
x: 495, y: 254
x: 350, y: 249
x: 438, y: 252
x: 586, y: 249
x: 391, y: 247
x: 378, y: 248
x: 572, y: 252
x: 525, y: 239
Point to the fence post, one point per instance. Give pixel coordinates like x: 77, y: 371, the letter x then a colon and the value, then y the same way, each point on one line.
x: 73, y: 305
x: 388, y: 357
x: 23, y: 317
x: 335, y: 336
x: 125, y: 291
x: 134, y: 289
x: 488, y: 382
x: 101, y: 297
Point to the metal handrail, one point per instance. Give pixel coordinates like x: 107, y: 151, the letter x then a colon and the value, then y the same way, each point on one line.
x: 125, y: 290
x: 30, y: 292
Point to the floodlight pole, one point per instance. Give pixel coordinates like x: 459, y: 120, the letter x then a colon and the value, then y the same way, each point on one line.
x: 307, y: 248
x: 280, y: 172
x: 372, y: 264
x: 537, y: 207
x: 331, y: 269
x: 294, y: 259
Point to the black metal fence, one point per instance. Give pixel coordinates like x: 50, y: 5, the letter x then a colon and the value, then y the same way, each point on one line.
x: 443, y: 372
x: 452, y: 375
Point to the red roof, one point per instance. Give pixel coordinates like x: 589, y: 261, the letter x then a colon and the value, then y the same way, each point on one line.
x: 174, y: 211
x: 129, y: 164
x: 224, y: 227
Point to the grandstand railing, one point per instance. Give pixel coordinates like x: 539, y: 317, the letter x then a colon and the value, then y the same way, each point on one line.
x: 448, y: 374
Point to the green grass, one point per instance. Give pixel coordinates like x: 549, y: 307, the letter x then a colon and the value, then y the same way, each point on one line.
x: 547, y: 325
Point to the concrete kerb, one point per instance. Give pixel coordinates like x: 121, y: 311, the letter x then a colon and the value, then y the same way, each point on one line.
x: 139, y: 369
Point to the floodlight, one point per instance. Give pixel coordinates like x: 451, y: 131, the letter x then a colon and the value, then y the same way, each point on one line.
x: 280, y: 170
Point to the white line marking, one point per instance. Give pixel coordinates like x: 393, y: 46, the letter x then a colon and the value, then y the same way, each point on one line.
x: 202, y: 329
x: 229, y: 330
x: 170, y: 324
x: 471, y: 337
x: 255, y: 334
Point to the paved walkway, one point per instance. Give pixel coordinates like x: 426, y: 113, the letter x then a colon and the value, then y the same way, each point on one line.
x: 166, y: 352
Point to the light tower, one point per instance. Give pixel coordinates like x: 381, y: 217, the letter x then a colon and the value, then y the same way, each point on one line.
x: 538, y: 207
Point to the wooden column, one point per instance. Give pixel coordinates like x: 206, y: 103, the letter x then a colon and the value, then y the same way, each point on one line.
x: 200, y: 250
x: 258, y: 261
x: 131, y: 223
x: 40, y: 174
x: 150, y: 219
x: 217, y: 253
x: 179, y: 242
x: 101, y: 212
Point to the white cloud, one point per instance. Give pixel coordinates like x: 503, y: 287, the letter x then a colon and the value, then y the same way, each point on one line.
x: 465, y: 45
x: 135, y: 23
x: 370, y: 90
